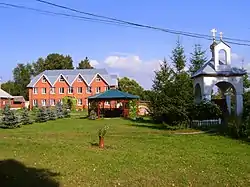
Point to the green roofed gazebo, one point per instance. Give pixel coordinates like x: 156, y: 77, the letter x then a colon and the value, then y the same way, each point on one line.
x: 111, y: 103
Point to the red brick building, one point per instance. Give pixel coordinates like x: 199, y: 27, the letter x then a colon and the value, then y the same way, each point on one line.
x: 15, y: 102
x: 51, y: 86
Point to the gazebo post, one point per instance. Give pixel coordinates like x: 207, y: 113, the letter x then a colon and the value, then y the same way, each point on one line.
x: 103, y: 109
x: 88, y: 107
x: 98, y: 109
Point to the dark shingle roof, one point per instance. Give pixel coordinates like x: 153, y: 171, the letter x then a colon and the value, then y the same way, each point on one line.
x: 113, y: 94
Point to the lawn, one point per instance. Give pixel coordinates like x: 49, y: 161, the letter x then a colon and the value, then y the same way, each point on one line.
x: 63, y: 153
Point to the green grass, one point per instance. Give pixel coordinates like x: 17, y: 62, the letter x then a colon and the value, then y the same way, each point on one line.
x: 134, y: 156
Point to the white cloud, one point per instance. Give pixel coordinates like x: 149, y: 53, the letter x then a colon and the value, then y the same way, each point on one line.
x: 94, y: 63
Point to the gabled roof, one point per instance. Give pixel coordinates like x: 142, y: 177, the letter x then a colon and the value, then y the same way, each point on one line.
x: 209, y: 69
x: 4, y: 94
x: 71, y: 75
x: 19, y: 98
x: 113, y: 94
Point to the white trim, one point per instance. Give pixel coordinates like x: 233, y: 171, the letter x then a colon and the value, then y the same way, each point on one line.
x: 34, y: 85
x: 59, y: 77
x: 78, y: 102
x: 69, y: 88
x: 63, y: 90
x: 44, y: 89
x: 78, y: 90
x: 34, y: 89
x: 96, y: 76
x: 79, y: 74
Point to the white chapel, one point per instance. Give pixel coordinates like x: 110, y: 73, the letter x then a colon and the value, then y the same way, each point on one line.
x: 220, y: 73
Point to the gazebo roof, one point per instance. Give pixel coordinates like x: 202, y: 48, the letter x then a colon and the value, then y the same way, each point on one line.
x: 113, y: 94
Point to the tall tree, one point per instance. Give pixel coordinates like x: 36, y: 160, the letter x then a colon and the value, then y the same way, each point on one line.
x: 58, y: 61
x: 198, y: 59
x: 178, y: 57
x: 10, y: 87
x: 22, y: 74
x: 131, y: 86
x: 85, y: 64
x: 38, y: 66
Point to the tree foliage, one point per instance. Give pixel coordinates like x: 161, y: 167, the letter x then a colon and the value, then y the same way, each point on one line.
x: 85, y: 64
x: 42, y: 115
x: 178, y: 57
x: 25, y: 118
x: 130, y: 86
x: 59, y: 110
x: 198, y: 59
x: 9, y: 119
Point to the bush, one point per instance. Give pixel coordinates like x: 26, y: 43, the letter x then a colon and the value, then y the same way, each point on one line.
x: 42, y: 115
x: 9, y: 119
x: 59, y: 110
x: 92, y: 115
x: 66, y: 112
x: 25, y: 118
x: 103, y: 131
x: 51, y: 114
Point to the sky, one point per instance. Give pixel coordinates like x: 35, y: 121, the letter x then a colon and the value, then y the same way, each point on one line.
x: 26, y: 35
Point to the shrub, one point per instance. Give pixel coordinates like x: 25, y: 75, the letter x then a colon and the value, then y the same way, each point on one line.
x: 92, y: 115
x: 51, y: 114
x: 9, y: 119
x: 42, y: 115
x: 59, y: 110
x: 132, y: 109
x: 25, y: 118
x: 103, y: 131
x: 66, y: 112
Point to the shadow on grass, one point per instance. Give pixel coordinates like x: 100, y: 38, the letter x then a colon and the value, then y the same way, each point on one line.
x: 15, y: 174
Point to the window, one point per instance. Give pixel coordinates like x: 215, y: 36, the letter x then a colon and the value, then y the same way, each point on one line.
x: 107, y: 103
x: 88, y: 89
x: 87, y: 103
x: 106, y: 88
x: 98, y: 79
x: 43, y: 102
x: 79, y: 102
x: 52, y: 90
x: 61, y: 90
x: 43, y: 90
x: 98, y: 89
x: 52, y: 102
x: 79, y: 79
x: 3, y: 102
x: 35, y: 103
x: 61, y: 79
x: 60, y: 101
x: 79, y: 90
x: 35, y: 90
x: 44, y: 80
x: 70, y: 90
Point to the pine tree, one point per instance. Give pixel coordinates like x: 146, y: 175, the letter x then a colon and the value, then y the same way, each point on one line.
x: 85, y: 64
x: 42, y: 115
x: 178, y: 57
x: 9, y: 120
x: 51, y: 114
x: 59, y: 110
x: 198, y: 59
x: 25, y: 118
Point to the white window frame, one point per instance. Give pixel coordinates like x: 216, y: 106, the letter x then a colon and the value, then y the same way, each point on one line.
x: 61, y: 78
x: 98, y: 79
x: 35, y: 90
x: 88, y: 89
x: 60, y: 89
x: 79, y: 103
x: 107, y: 103
x: 79, y: 88
x: 97, y: 90
x: 44, y: 80
x: 52, y: 102
x: 106, y: 88
x: 44, y: 102
x: 52, y: 90
x: 44, y: 90
x: 35, y: 102
x: 60, y: 101
x: 79, y: 79
x: 70, y: 90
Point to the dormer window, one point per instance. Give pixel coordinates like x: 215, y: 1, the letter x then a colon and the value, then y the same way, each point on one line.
x: 61, y: 79
x: 98, y: 79
x: 79, y: 79
x: 44, y: 80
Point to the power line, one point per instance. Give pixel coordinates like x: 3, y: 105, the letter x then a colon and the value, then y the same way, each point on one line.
x: 7, y: 5
x: 190, y: 34
x: 114, y: 21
